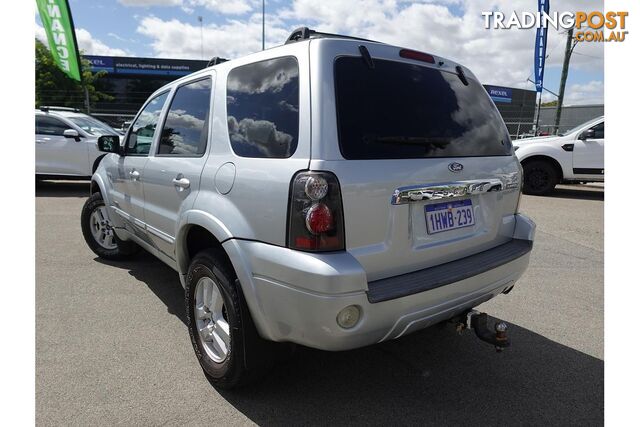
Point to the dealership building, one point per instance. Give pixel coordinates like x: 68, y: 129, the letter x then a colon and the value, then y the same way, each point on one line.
x: 130, y: 81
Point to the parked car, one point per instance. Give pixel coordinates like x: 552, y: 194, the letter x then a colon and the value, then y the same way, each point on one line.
x: 576, y: 155
x: 331, y: 192
x: 66, y: 143
x: 123, y: 128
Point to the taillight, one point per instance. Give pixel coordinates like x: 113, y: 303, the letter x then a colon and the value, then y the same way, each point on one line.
x: 319, y: 219
x: 315, y: 213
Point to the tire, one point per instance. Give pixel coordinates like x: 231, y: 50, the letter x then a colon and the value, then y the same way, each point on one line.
x: 540, y: 177
x: 110, y: 247
x: 248, y: 357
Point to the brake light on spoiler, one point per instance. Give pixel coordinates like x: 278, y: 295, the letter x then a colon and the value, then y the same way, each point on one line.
x: 418, y: 56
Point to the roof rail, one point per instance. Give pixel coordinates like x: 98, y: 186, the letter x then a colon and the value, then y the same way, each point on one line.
x: 216, y: 60
x: 49, y: 107
x: 304, y: 33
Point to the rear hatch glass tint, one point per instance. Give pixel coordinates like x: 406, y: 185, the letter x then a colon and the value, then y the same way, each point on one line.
x: 398, y: 110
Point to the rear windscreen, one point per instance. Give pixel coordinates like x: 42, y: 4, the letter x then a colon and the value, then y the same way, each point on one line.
x: 399, y: 110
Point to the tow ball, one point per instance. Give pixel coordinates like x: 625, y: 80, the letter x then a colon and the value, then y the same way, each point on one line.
x: 478, y: 322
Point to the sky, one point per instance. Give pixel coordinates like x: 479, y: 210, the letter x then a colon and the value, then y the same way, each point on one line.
x: 453, y: 29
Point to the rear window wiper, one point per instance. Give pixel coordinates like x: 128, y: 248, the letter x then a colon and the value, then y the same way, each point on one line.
x: 437, y: 142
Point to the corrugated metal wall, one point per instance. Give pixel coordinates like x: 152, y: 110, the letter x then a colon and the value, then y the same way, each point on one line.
x: 571, y: 116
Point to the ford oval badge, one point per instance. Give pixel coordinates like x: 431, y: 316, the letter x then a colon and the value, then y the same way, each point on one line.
x: 455, y: 167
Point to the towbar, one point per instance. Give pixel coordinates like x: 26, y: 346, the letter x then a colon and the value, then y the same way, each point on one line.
x: 478, y: 322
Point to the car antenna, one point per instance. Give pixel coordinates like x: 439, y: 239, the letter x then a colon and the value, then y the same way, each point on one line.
x: 366, y: 56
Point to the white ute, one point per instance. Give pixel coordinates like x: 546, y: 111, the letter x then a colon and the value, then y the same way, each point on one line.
x: 574, y: 156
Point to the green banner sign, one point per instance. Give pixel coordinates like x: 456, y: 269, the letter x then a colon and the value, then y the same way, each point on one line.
x: 56, y: 18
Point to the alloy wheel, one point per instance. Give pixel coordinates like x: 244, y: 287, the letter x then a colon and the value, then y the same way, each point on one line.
x: 101, y: 228
x: 211, y: 320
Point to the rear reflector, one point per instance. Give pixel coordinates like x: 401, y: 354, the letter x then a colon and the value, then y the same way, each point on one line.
x: 418, y: 56
x: 317, y: 243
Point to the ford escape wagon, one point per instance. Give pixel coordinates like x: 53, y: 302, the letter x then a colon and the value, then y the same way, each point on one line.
x: 332, y: 192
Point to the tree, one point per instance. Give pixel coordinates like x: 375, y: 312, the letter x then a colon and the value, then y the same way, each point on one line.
x: 54, y: 87
x: 550, y: 103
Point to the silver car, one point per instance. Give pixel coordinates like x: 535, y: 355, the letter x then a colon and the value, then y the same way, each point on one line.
x: 331, y: 192
x: 66, y: 143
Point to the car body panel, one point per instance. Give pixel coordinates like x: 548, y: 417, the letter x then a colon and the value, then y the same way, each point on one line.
x: 386, y: 239
x: 259, y: 190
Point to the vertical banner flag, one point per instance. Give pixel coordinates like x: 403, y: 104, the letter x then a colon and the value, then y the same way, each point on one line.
x: 56, y: 18
x: 541, y: 47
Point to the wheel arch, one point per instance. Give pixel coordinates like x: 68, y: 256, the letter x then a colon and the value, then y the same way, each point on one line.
x: 95, y: 187
x: 195, y: 239
x: 98, y: 186
x: 96, y: 163
x: 200, y: 230
x: 548, y: 159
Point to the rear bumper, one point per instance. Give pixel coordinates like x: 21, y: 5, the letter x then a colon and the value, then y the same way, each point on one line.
x: 296, y: 296
x: 445, y: 274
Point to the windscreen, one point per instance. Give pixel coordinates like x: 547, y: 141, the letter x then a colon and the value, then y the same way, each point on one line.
x: 93, y: 126
x: 399, y: 110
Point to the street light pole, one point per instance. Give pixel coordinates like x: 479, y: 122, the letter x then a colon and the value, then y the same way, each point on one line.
x: 262, y: 24
x: 201, y: 39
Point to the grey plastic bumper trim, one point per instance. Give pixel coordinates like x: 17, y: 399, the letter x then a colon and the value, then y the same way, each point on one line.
x: 444, y: 274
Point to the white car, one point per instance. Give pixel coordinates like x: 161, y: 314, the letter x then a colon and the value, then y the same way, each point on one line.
x: 574, y: 156
x: 66, y: 143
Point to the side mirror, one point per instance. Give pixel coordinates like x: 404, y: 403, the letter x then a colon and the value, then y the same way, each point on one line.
x: 71, y: 133
x: 587, y: 134
x: 109, y: 144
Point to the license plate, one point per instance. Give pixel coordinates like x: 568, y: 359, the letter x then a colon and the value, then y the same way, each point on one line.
x: 449, y: 216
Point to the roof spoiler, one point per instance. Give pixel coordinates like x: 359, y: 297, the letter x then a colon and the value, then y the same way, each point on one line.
x: 304, y: 33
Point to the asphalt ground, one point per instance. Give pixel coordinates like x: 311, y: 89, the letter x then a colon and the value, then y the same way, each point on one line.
x: 112, y: 347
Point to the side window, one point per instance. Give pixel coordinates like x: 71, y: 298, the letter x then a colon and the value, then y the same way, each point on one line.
x: 142, y: 130
x: 599, y: 129
x: 46, y: 125
x: 262, y: 108
x: 186, y: 127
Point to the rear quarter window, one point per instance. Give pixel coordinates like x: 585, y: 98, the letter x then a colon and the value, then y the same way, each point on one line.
x: 262, y: 108
x: 401, y: 110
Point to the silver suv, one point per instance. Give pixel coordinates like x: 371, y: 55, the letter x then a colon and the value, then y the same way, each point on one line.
x: 332, y: 192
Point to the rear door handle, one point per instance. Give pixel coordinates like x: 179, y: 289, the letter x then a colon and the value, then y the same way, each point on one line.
x: 134, y: 175
x: 182, y: 182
